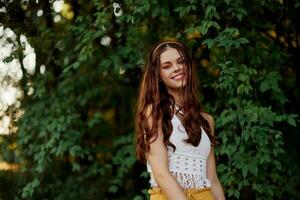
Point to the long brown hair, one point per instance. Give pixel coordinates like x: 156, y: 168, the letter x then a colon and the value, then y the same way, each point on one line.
x: 153, y: 93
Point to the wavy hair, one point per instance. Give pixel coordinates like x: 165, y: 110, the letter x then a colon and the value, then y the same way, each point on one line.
x: 153, y: 94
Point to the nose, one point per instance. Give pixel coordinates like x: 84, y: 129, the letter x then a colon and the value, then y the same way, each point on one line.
x: 176, y: 67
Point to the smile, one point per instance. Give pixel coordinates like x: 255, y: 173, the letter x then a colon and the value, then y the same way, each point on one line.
x: 178, y: 76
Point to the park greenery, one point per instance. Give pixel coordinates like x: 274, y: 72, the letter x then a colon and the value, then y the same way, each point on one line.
x: 75, y: 139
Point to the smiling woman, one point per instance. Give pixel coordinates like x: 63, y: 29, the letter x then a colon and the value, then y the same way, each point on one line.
x: 172, y: 69
x: 174, y: 136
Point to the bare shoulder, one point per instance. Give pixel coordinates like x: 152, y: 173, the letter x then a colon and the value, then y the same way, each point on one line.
x: 208, y: 117
x: 148, y: 110
x: 150, y: 122
x: 210, y: 120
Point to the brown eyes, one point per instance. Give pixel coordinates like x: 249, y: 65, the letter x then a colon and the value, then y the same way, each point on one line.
x: 181, y: 62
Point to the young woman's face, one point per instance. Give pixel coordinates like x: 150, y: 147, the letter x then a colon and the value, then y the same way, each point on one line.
x: 172, y: 69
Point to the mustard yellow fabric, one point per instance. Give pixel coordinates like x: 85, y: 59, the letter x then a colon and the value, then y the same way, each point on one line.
x: 192, y: 194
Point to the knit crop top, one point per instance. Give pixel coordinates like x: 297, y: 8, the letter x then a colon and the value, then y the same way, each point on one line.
x: 187, y: 163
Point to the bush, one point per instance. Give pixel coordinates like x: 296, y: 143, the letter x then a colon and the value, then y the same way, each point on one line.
x: 75, y: 139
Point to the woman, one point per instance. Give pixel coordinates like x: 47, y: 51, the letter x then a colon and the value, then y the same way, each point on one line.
x: 173, y: 134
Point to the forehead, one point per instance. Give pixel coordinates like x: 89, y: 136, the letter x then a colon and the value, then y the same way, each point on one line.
x: 170, y: 54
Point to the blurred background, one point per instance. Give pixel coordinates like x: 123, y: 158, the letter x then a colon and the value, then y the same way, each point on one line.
x: 69, y: 77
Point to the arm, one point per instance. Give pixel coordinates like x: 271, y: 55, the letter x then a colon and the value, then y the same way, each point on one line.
x: 158, y: 159
x: 216, y: 187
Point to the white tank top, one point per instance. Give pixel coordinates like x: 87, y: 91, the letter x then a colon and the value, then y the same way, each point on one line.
x: 188, y: 163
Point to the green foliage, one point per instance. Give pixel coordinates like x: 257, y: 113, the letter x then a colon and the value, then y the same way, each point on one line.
x: 75, y: 139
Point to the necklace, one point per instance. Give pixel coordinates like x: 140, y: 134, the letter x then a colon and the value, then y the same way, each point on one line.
x: 178, y: 108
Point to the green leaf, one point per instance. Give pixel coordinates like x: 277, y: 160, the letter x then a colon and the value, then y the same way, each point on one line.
x: 209, y: 43
x: 243, y: 77
x: 29, y: 188
x: 254, y: 169
x: 264, y: 86
x: 113, y: 189
x: 291, y: 121
x: 245, y: 170
x: 138, y: 198
x: 243, y: 41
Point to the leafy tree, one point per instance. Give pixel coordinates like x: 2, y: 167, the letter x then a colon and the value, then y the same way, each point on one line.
x: 75, y: 139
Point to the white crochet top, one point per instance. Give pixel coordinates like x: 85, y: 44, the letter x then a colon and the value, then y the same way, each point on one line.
x: 188, y: 163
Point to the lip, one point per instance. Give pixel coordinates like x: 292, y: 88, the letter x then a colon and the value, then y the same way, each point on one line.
x: 178, y: 76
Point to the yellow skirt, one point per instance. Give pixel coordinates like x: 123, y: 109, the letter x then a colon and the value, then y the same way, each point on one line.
x: 192, y: 194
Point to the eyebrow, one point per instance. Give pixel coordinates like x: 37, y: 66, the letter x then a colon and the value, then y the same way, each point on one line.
x: 169, y: 61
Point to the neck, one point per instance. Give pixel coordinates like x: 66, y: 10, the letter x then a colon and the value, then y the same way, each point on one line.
x: 175, y: 94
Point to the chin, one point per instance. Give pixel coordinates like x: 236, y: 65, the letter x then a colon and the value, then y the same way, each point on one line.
x: 183, y: 84
x: 180, y: 86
